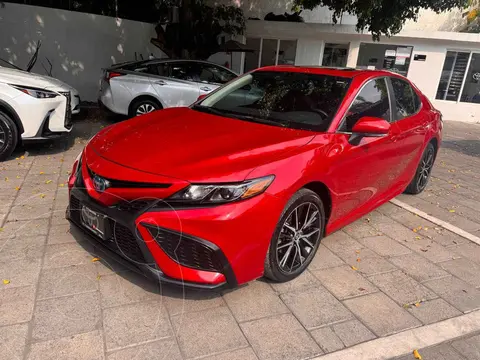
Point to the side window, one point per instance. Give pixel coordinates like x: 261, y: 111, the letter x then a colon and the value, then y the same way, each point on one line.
x: 183, y: 71
x: 214, y: 74
x: 406, y: 100
x: 372, y: 100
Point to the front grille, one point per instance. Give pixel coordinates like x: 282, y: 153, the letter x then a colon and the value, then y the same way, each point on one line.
x: 134, y: 206
x: 121, y: 240
x: 114, y: 183
x: 126, y: 243
x: 187, y: 251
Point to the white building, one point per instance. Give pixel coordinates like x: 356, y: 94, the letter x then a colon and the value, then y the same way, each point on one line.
x: 443, y: 63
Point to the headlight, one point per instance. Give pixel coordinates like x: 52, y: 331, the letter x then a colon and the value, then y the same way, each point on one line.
x: 222, y: 193
x: 36, y: 93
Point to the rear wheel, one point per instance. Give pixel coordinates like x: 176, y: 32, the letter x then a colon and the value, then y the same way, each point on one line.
x: 422, y: 175
x: 143, y: 106
x: 8, y: 136
x: 296, y: 238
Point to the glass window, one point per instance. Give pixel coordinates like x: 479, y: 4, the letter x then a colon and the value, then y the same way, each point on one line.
x: 372, y: 100
x: 453, y: 72
x: 269, y: 52
x: 251, y: 58
x: 184, y: 70
x: 335, y: 55
x: 289, y: 99
x: 471, y: 89
x: 406, y: 104
x: 388, y: 57
x: 214, y: 74
x: 287, y: 52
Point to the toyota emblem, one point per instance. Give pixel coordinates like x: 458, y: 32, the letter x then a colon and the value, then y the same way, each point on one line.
x: 100, y: 184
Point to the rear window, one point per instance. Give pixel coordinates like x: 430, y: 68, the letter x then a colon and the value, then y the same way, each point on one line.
x: 289, y: 99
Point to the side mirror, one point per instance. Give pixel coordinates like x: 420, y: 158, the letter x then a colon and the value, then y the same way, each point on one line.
x: 201, y: 97
x: 369, y: 127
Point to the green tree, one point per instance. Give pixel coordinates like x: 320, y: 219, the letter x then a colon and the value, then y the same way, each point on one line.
x: 191, y: 28
x: 381, y: 17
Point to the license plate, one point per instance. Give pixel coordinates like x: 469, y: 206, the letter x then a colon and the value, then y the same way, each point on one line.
x: 94, y: 221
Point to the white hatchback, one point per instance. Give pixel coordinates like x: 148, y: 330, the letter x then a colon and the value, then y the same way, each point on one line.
x: 141, y: 87
x: 33, y: 107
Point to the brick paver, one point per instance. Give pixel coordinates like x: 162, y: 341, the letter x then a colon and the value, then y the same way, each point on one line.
x: 373, y: 278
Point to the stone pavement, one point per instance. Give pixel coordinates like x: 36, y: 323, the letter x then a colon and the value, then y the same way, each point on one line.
x: 55, y: 303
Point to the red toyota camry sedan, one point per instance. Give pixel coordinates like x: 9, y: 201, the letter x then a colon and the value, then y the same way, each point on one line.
x: 248, y: 180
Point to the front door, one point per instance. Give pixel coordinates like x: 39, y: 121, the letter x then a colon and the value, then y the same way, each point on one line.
x: 361, y: 173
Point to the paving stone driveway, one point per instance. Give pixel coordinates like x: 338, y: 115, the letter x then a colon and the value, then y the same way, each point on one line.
x: 55, y: 303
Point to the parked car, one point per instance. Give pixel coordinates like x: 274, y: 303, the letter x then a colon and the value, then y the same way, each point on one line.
x: 33, y: 107
x: 247, y: 181
x: 144, y: 86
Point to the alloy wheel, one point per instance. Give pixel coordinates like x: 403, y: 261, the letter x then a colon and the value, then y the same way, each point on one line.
x: 298, y: 237
x: 3, y: 138
x: 426, y: 166
x: 145, y: 109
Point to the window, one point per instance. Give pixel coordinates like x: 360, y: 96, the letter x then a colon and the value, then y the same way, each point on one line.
x: 389, y: 57
x: 471, y: 88
x: 287, y: 99
x: 214, y: 74
x: 188, y: 71
x: 335, y: 55
x: 268, y: 52
x: 406, y: 100
x: 452, y: 76
x: 372, y: 100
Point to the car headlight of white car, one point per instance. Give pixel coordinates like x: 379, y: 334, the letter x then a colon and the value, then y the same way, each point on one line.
x: 36, y: 93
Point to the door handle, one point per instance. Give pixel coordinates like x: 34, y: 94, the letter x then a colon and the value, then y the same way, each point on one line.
x: 160, y: 82
x: 205, y: 88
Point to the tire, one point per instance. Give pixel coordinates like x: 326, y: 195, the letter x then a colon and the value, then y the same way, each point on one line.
x: 143, y: 106
x: 8, y: 136
x: 276, y: 267
x: 423, y: 172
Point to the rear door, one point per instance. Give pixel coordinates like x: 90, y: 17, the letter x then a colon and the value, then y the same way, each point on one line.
x: 411, y: 124
x: 176, y: 83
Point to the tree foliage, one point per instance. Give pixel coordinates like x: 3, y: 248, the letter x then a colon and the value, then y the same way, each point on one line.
x: 193, y: 29
x: 381, y: 17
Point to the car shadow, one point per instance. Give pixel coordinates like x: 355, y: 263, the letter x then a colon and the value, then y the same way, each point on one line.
x: 467, y: 147
x: 135, y: 276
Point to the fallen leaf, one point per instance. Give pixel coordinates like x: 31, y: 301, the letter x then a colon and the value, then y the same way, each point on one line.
x: 424, y: 250
x: 41, y: 173
x: 42, y: 196
x: 18, y: 176
x: 48, y: 181
x: 354, y: 268
x: 17, y: 188
x: 418, y: 237
x: 6, y: 282
x: 357, y: 251
x: 417, y: 229
x: 361, y: 289
x: 95, y: 259
x: 22, y: 157
x: 452, y: 210
x: 6, y: 179
x: 417, y: 355
x: 1, y: 229
x: 417, y: 304
x: 98, y: 277
x: 358, y: 259
x: 61, y: 185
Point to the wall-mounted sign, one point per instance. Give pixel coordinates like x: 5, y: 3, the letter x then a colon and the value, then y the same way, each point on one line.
x: 476, y: 76
x: 418, y: 57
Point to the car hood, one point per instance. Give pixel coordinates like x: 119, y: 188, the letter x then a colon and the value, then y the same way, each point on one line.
x: 195, y: 146
x: 19, y: 77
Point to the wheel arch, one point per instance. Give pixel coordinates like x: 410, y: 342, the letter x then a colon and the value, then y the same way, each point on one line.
x: 144, y: 97
x: 324, y: 194
x: 10, y: 111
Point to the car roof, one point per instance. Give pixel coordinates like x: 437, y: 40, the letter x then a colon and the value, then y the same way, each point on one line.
x: 325, y: 70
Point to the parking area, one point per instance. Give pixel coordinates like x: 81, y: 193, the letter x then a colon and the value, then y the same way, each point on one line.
x: 388, y: 272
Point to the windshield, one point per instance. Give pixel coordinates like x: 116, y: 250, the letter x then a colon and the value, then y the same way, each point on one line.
x: 290, y: 99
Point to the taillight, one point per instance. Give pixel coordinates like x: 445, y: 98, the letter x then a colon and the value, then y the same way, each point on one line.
x: 110, y: 75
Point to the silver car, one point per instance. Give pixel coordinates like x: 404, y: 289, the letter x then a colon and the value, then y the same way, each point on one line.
x: 141, y: 87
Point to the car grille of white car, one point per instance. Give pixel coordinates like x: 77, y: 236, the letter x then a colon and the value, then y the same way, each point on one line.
x: 68, y: 111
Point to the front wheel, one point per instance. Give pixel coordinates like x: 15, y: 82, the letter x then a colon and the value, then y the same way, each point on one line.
x: 143, y: 106
x: 8, y: 136
x: 296, y: 237
x: 422, y: 175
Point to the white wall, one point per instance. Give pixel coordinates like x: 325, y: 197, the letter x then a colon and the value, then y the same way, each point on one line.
x: 79, y: 45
